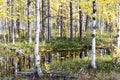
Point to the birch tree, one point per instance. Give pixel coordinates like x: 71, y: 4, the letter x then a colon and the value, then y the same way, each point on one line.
x: 93, y: 64
x: 36, y: 47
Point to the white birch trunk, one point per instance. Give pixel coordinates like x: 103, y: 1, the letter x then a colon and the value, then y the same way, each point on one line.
x: 93, y: 64
x: 4, y: 38
x: 37, y: 30
x: 93, y: 49
x: 4, y: 29
x: 15, y: 66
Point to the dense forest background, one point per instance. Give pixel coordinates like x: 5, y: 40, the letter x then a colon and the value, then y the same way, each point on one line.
x: 58, y: 18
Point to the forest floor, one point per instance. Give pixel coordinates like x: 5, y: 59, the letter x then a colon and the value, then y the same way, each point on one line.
x: 73, y: 69
x: 86, y: 75
x: 77, y: 69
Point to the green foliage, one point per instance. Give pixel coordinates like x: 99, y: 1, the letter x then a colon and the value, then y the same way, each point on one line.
x: 65, y: 43
x: 70, y: 66
x: 61, y: 44
x: 105, y: 38
x: 104, y: 65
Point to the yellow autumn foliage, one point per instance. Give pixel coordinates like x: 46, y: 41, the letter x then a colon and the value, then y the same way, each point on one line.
x: 47, y: 67
x: 116, y: 52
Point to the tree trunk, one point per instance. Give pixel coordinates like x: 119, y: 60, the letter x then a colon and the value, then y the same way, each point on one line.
x: 102, y: 27
x: 4, y: 30
x: 86, y: 25
x: 71, y: 20
x: 48, y: 20
x: 43, y: 20
x: 37, y: 30
x: 118, y: 26
x: 18, y: 26
x: 18, y: 23
x: 93, y: 64
x: 9, y: 31
x: 80, y: 22
x: 61, y: 23
x: 106, y: 26
x: 12, y: 20
x: 8, y: 22
x: 15, y: 66
x: 28, y: 24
